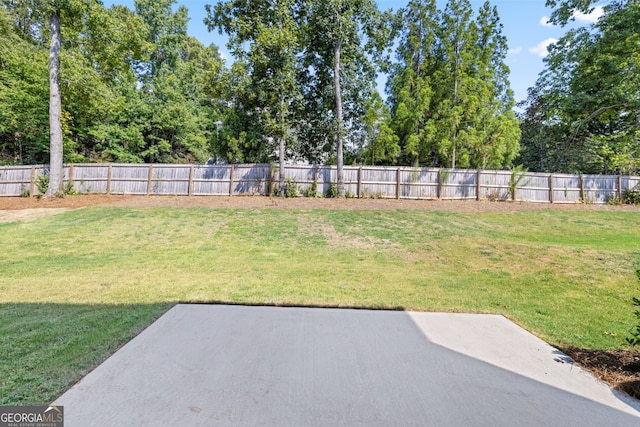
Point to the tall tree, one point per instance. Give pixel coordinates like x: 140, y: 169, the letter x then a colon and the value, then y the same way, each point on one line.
x: 166, y: 31
x: 342, y: 38
x: 381, y: 143
x: 458, y: 36
x: 55, y: 105
x: 565, y: 9
x: 494, y: 130
x: 410, y: 85
x: 271, y: 31
x: 24, y: 91
x: 449, y: 92
x: 588, y: 96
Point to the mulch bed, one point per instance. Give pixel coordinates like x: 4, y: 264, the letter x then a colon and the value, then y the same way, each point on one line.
x: 618, y: 368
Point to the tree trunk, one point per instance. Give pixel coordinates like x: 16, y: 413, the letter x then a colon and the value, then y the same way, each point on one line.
x: 55, y: 109
x: 455, y: 104
x: 339, y: 125
x: 281, y: 166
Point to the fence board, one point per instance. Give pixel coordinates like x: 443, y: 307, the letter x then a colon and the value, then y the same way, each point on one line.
x: 213, y: 180
x: 15, y: 180
x: 534, y: 187
x: 494, y: 185
x: 566, y: 188
x: 599, y: 188
x: 419, y: 183
x: 251, y: 179
x: 90, y: 178
x: 458, y: 184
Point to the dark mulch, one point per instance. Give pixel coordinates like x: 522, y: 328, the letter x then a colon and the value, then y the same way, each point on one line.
x: 618, y: 368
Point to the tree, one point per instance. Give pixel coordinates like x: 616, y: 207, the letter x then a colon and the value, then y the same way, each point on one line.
x: 588, y: 97
x: 410, y: 85
x: 55, y: 106
x: 342, y: 39
x: 272, y: 33
x: 458, y: 35
x: 24, y: 112
x: 381, y: 143
x: 565, y: 9
x: 449, y: 92
x: 166, y: 31
x: 493, y: 127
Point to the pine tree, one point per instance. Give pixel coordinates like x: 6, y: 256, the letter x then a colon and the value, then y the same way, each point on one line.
x: 410, y: 85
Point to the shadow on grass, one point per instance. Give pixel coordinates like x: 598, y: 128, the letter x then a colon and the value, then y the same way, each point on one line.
x: 47, y: 347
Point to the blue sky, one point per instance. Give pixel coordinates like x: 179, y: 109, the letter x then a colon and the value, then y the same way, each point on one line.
x: 525, y: 26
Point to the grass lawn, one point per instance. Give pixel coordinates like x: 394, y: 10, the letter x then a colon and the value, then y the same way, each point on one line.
x: 75, y: 286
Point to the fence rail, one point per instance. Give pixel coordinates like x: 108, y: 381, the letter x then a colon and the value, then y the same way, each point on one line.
x: 365, y: 181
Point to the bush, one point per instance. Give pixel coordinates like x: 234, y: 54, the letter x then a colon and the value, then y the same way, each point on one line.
x: 635, y: 335
x: 332, y: 192
x: 42, y: 183
x: 313, y: 190
x: 631, y: 196
x: 290, y: 189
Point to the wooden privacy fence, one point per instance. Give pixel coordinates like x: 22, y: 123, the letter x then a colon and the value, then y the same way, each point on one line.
x: 365, y: 181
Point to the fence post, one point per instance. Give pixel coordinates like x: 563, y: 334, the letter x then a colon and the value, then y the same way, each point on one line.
x: 359, y: 191
x: 620, y: 187
x: 109, y: 176
x: 478, y: 185
x: 582, y: 195
x: 150, y: 180
x: 231, y: 181
x: 439, y: 187
x: 190, y: 190
x: 71, y: 173
x: 551, y: 188
x: 398, y: 183
x: 32, y: 189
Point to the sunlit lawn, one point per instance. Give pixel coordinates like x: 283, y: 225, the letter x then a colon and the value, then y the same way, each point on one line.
x: 75, y: 286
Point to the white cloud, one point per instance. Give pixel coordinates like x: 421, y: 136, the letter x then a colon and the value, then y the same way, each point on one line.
x: 541, y: 48
x: 515, y: 50
x: 590, y: 18
x: 544, y: 21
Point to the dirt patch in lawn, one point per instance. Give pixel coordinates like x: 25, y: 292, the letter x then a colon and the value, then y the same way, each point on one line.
x: 23, y: 215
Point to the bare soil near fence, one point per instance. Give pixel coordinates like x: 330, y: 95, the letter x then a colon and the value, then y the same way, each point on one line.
x: 263, y: 202
x: 619, y: 368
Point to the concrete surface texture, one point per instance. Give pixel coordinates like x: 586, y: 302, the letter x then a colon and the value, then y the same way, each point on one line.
x: 211, y: 365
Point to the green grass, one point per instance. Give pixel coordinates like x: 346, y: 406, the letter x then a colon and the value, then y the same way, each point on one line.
x: 75, y: 286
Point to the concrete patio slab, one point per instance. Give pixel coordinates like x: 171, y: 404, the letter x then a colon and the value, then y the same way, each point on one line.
x: 210, y: 365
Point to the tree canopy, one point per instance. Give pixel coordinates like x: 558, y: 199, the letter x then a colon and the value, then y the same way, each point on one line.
x: 302, y: 85
x: 583, y: 114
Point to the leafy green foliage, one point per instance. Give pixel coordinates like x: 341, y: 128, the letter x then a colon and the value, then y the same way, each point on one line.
x: 449, y: 92
x: 631, y: 196
x: 135, y: 87
x: 42, y: 183
x: 581, y: 117
x: 332, y: 192
x: 24, y: 112
x: 635, y: 335
x: 515, y: 179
